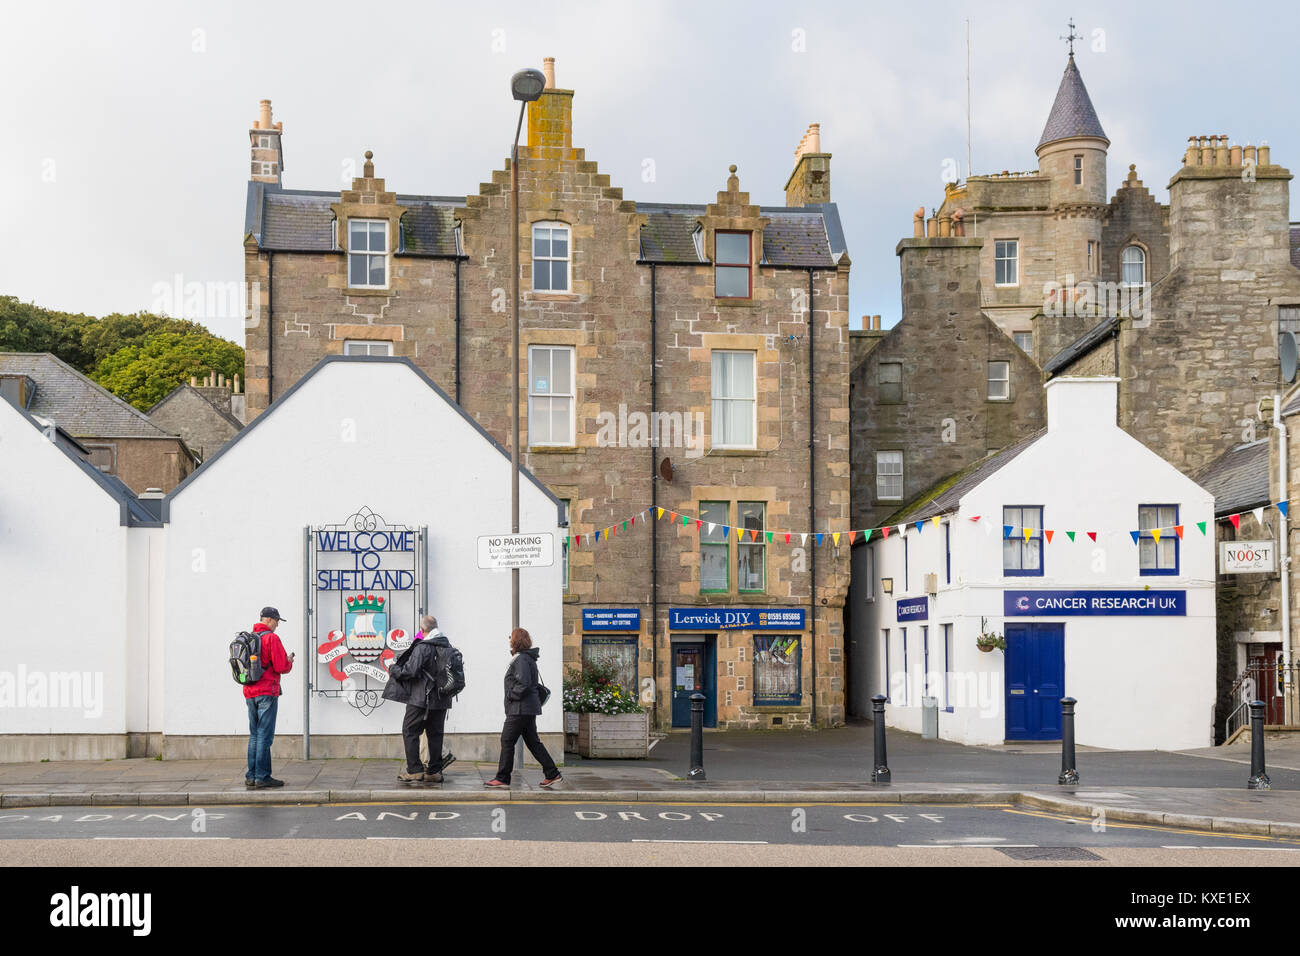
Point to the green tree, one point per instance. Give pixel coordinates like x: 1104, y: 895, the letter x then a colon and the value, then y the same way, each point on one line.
x: 25, y: 327
x: 144, y: 373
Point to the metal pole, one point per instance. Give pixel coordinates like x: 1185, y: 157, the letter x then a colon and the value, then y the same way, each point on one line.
x: 306, y: 642
x: 514, y: 364
x: 697, y: 738
x: 1258, y: 778
x: 1284, y: 563
x: 880, y: 771
x: 1069, y: 775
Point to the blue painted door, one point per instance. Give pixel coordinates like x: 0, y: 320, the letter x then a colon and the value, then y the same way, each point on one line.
x: 1035, y: 681
x: 694, y: 672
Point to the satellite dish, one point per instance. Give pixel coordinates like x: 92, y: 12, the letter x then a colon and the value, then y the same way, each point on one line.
x: 666, y: 469
x: 1287, y: 355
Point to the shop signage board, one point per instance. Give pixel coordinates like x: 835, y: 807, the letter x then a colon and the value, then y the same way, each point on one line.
x: 912, y: 609
x: 499, y: 551
x: 611, y: 619
x: 736, y: 618
x: 1142, y: 603
x: 1247, y: 557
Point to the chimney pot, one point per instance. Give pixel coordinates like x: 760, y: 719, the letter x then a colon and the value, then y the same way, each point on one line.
x: 264, y: 115
x: 1263, y: 153
x: 548, y: 69
x: 236, y: 388
x: 194, y: 381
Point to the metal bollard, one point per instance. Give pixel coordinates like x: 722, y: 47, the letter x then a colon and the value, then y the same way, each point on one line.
x: 880, y: 771
x: 1258, y: 778
x: 1069, y: 775
x: 697, y: 738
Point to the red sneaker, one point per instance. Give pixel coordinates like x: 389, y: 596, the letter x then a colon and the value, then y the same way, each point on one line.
x: 552, y: 781
x: 494, y: 782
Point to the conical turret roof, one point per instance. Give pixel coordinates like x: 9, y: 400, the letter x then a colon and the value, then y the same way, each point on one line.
x: 1072, y: 113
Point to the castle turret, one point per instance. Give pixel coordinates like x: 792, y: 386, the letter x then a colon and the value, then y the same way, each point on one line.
x: 1072, y: 155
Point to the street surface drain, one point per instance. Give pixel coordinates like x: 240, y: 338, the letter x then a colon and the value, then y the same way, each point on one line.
x: 1047, y: 853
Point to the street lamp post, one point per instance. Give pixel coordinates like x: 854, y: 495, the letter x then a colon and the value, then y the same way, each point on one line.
x: 526, y: 86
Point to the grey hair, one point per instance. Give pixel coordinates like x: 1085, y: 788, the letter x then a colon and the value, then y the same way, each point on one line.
x: 428, y: 623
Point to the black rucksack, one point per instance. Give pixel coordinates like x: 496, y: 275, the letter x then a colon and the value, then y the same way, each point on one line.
x: 246, y: 658
x: 450, y: 672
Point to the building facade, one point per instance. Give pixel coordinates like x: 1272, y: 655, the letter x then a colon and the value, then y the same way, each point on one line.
x: 684, y: 376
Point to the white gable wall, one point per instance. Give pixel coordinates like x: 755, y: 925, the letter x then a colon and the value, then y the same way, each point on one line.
x: 235, y: 543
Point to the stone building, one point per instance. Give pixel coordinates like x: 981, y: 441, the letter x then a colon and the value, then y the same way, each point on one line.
x: 120, y: 440
x: 670, y: 354
x: 205, y: 414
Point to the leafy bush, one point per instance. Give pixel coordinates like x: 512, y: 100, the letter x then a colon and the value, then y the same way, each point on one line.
x: 593, y: 690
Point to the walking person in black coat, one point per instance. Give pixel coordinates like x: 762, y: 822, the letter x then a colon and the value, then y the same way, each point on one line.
x: 523, y: 707
x: 412, y: 681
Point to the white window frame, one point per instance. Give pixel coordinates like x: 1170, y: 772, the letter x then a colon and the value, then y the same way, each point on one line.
x: 1014, y: 259
x: 367, y: 347
x: 881, y: 473
x: 1027, y: 349
x: 1123, y: 253
x: 1004, y: 380
x: 1078, y: 169
x: 367, y: 254
x: 567, y: 258
x: 550, y: 395
x: 752, y: 398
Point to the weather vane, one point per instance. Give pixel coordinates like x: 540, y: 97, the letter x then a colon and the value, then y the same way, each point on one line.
x: 1072, y: 37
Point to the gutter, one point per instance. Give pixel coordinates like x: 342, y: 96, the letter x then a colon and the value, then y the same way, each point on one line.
x: 1284, y: 564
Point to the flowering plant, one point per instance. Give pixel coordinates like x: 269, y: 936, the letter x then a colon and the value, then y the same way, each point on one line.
x: 988, y: 640
x: 593, y: 690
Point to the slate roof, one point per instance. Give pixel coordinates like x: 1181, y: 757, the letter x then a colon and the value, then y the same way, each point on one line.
x: 225, y: 415
x: 297, y: 220
x: 1238, y: 478
x: 1072, y: 113
x: 75, y: 403
x: 1082, y: 345
x: 944, y: 495
x: 300, y: 220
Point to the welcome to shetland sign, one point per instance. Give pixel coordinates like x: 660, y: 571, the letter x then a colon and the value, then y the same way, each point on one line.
x: 1094, y: 603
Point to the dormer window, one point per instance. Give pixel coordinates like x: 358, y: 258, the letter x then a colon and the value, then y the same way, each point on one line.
x: 368, y: 253
x: 732, y: 277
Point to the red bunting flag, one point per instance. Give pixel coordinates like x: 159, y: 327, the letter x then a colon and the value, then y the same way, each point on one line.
x: 1236, y: 520
x: 753, y: 535
x: 578, y: 538
x: 1093, y: 535
x: 852, y: 535
x: 884, y: 532
x: 787, y: 539
x: 1178, y: 530
x: 1049, y: 534
x: 975, y: 518
x: 697, y: 524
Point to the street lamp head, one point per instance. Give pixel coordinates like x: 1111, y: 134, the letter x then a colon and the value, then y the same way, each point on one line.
x: 527, y: 85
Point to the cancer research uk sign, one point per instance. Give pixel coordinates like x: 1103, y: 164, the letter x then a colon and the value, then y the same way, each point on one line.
x: 1247, y: 557
x: 912, y: 609
x: 1094, y: 603
x: 497, y: 552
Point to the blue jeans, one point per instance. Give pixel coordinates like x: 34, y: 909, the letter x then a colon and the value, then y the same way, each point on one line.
x: 261, y: 731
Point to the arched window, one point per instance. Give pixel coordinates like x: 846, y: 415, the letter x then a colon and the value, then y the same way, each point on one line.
x: 1133, y: 264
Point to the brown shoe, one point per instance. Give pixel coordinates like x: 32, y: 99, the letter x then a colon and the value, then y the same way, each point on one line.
x: 410, y: 777
x: 433, y: 778
x: 552, y: 781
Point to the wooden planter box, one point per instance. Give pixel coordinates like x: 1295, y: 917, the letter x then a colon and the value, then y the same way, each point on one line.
x: 614, y: 735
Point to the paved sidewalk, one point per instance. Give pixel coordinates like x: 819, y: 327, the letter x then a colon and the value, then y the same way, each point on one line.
x: 1203, y: 790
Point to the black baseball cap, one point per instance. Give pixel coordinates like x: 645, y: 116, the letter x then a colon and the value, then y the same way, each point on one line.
x: 271, y: 612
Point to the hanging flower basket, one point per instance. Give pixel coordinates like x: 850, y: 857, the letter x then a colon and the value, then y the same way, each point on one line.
x: 989, y: 641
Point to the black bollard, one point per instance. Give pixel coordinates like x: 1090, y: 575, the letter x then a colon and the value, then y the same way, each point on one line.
x: 697, y: 738
x: 1258, y: 778
x: 880, y: 772
x: 1069, y: 775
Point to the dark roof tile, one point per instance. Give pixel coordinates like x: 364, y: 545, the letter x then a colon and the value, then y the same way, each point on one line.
x: 1072, y: 112
x: 1238, y: 478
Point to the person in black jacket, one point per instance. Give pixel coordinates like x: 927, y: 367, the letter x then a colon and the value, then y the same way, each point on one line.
x: 523, y: 706
x: 412, y: 681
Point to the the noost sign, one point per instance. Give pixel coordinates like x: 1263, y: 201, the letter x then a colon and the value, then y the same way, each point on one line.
x: 1247, y: 557
x: 499, y: 551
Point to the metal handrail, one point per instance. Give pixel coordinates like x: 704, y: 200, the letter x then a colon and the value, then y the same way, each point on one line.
x: 1262, y: 675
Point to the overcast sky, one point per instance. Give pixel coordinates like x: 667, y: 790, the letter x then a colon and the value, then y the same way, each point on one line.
x: 124, y: 126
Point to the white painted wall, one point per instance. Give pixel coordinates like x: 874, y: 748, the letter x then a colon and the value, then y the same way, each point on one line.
x: 235, y: 543
x: 1141, y: 682
x: 63, y: 561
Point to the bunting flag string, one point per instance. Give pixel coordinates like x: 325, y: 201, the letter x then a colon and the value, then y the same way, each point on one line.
x: 765, y: 536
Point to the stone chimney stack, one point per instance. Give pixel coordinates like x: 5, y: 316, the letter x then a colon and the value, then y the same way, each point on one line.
x: 810, y: 183
x: 268, y: 155
x: 550, y: 118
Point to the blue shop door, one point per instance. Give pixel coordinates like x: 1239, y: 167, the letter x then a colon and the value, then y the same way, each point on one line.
x: 694, y: 672
x: 1035, y: 681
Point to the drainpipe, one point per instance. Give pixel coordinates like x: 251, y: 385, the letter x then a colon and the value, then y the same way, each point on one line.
x: 812, y: 494
x: 270, y: 327
x: 654, y: 504
x: 1284, y: 560
x: 458, y: 330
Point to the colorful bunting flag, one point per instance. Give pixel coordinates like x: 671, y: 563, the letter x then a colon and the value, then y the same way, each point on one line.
x: 1155, y: 533
x: 1006, y: 530
x: 1093, y: 535
x: 1070, y: 535
x: 1281, y: 506
x: 1049, y: 536
x: 578, y: 539
x: 685, y: 520
x: 935, y: 519
x: 976, y: 518
x: 787, y: 537
x: 661, y: 512
x: 835, y: 536
x: 1259, y: 514
x: 919, y: 526
x: 1029, y: 532
x: 803, y: 538
x: 697, y: 524
x: 1178, y: 530
x: 712, y: 525
x: 753, y: 534
x: 819, y: 539
x: 1201, y: 525
x: 866, y: 536
x: 902, y: 529
x: 769, y: 537
x: 884, y: 532
x: 1135, y: 535
x: 1236, y: 520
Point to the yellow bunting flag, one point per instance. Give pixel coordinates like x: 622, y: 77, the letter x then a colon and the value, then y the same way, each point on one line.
x: 1028, y: 533
x: 1155, y: 533
x: 661, y: 513
x: 935, y: 519
x: 835, y: 536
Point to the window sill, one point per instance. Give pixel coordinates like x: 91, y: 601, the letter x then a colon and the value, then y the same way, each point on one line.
x: 350, y: 290
x: 730, y: 302
x: 1006, y: 285
x: 737, y: 452
x: 551, y: 297
x: 553, y: 450
x: 571, y: 598
x: 777, y: 709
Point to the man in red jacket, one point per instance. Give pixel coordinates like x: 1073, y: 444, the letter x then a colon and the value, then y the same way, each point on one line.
x: 262, y: 699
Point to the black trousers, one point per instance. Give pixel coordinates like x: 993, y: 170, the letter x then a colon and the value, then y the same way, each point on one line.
x: 526, y: 727
x: 418, y: 721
